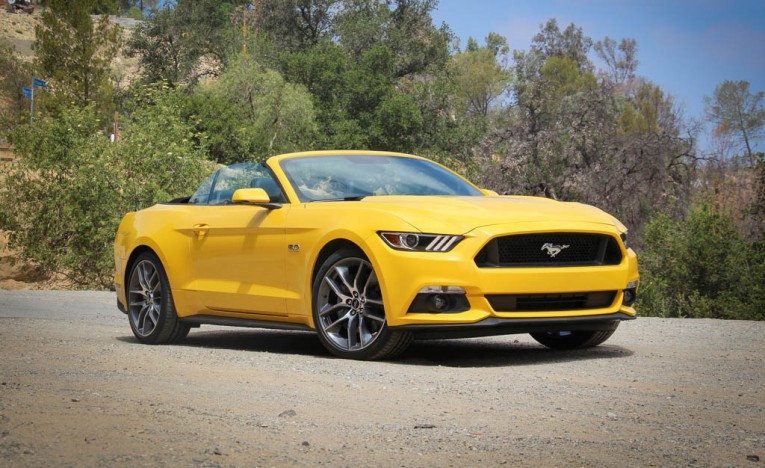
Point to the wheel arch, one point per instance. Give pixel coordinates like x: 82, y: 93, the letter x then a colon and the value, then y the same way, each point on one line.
x: 330, y: 248
x: 131, y: 261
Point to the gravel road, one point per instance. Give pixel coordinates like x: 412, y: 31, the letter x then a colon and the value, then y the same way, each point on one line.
x: 78, y: 390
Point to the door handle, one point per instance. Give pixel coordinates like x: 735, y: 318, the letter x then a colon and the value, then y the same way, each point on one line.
x: 200, y: 230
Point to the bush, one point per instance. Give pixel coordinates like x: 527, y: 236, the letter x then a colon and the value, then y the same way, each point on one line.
x: 700, y: 268
x: 134, y: 13
x: 64, y: 196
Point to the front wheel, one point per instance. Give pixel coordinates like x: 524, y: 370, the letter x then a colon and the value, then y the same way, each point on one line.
x: 348, y: 309
x: 151, y: 309
x: 573, y: 339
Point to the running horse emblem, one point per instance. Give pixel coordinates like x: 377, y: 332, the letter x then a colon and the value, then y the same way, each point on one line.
x: 553, y: 250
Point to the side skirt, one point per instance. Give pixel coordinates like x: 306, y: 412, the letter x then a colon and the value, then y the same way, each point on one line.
x: 196, y: 320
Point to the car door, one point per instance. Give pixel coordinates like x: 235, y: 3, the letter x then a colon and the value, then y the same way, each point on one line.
x: 238, y: 251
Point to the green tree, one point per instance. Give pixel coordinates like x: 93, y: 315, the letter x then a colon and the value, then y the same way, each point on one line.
x: 295, y: 25
x: 251, y: 112
x: 365, y: 62
x: 357, y: 102
x: 479, y: 75
x: 141, y: 6
x: 403, y: 26
x: 571, y: 43
x: 737, y: 113
x: 105, y: 7
x: 184, y: 42
x: 74, y: 53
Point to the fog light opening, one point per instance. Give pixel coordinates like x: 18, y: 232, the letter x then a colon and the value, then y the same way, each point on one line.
x: 629, y: 297
x: 439, y: 302
x: 440, y: 299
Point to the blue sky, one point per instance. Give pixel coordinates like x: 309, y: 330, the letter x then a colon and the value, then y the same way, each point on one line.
x: 686, y: 47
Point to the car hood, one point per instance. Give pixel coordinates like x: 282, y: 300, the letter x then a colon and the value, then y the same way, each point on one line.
x: 459, y: 215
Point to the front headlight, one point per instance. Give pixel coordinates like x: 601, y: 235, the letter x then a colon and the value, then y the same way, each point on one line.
x: 420, y: 242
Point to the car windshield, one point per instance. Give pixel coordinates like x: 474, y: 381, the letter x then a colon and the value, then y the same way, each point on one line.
x: 352, y: 177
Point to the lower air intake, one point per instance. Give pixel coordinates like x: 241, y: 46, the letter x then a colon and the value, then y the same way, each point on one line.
x: 550, y: 302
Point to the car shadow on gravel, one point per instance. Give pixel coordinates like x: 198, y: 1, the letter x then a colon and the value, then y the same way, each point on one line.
x: 472, y: 352
x: 476, y: 352
x: 255, y: 340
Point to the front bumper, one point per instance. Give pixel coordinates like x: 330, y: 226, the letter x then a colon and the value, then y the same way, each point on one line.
x: 503, y: 326
x: 404, y: 274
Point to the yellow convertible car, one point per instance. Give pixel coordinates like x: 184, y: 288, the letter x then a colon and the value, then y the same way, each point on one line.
x: 371, y: 250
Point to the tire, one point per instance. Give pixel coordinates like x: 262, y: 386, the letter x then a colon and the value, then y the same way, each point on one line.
x: 151, y: 310
x: 574, y: 339
x: 348, y: 310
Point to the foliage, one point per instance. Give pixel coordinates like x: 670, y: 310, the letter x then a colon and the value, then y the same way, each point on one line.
x: 405, y: 27
x: 57, y: 196
x: 569, y: 135
x: 295, y: 25
x: 621, y: 64
x: 104, y: 7
x: 758, y: 207
x: 134, y: 6
x: 74, y: 54
x: 15, y: 74
x: 182, y: 44
x: 479, y: 77
x: 365, y: 63
x: 738, y: 113
x: 160, y: 153
x: 134, y: 13
x: 571, y: 43
x: 63, y: 198
x: 700, y: 267
x: 251, y: 113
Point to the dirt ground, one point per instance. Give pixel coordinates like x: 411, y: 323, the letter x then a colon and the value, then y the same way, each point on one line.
x: 76, y: 389
x: 18, y: 30
x: 16, y: 274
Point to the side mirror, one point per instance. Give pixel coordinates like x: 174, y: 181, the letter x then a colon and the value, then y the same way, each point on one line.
x: 254, y: 196
x: 489, y: 193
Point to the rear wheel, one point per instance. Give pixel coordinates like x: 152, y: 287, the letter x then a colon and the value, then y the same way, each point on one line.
x: 348, y: 309
x: 151, y: 309
x: 573, y: 339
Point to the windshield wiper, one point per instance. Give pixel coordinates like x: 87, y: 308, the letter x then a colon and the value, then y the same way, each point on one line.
x: 352, y: 198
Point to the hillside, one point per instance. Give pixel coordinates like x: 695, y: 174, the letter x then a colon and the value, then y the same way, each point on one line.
x: 18, y: 30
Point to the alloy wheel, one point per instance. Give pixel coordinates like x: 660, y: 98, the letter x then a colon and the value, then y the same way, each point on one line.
x: 145, y: 297
x: 350, y: 306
